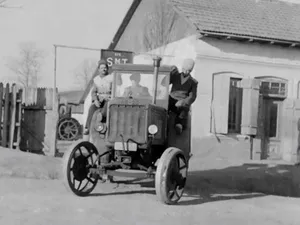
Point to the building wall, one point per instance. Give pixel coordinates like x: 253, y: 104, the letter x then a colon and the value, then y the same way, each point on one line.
x: 173, y: 54
x: 243, y: 61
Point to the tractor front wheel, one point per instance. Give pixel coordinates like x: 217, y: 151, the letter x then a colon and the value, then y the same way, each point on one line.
x: 77, y: 162
x: 171, y: 175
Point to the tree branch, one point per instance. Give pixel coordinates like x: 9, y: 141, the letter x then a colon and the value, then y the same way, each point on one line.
x: 84, y: 72
x: 28, y: 65
x: 4, y: 5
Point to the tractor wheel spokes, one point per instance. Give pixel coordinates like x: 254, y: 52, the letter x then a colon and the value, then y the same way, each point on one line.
x: 77, y: 164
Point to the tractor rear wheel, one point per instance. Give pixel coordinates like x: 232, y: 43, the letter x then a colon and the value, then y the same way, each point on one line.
x: 68, y: 129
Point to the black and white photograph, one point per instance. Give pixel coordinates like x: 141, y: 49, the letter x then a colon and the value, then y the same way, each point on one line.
x: 149, y: 112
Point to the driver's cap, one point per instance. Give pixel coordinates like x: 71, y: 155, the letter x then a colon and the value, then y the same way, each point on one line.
x: 102, y: 62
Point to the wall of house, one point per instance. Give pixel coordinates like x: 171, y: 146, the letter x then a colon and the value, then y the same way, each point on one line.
x: 173, y: 54
x: 243, y: 61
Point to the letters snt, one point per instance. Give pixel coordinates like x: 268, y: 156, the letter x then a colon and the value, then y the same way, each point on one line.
x: 117, y: 59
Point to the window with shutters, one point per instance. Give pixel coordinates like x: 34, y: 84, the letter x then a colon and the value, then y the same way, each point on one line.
x: 226, y: 103
x: 235, y: 106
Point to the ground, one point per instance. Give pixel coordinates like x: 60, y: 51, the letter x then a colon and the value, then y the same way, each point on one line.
x: 220, y: 190
x: 35, y: 202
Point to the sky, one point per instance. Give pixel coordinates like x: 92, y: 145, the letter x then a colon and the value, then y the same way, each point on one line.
x: 82, y: 23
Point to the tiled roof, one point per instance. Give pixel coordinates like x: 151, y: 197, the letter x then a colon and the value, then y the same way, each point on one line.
x: 266, y: 19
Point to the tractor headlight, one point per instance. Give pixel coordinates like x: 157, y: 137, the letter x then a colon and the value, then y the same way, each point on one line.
x: 152, y: 129
x: 100, y: 127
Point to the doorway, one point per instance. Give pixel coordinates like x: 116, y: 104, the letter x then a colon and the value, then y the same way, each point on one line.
x: 271, y: 140
x: 273, y: 92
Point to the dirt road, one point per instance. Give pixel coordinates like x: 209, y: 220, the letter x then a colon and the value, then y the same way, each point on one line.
x: 46, y: 202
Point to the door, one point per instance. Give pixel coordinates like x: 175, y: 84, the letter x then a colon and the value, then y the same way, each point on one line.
x: 272, y: 110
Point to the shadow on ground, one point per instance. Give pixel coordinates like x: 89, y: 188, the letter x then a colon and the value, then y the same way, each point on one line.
x: 235, y: 182
x: 282, y: 180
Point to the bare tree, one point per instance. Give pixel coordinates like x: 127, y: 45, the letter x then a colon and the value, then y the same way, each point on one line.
x: 84, y: 72
x: 160, y: 23
x: 27, y: 66
x: 3, y: 4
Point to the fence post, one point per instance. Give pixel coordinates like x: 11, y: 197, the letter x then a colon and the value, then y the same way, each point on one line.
x: 19, y: 118
x: 12, y: 124
x: 1, y: 107
x: 5, y: 117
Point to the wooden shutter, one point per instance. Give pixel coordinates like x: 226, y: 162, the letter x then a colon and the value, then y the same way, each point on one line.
x: 250, y: 106
x: 260, y: 118
x: 221, y: 87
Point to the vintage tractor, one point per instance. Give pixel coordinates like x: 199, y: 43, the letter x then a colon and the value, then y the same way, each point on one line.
x: 136, y: 139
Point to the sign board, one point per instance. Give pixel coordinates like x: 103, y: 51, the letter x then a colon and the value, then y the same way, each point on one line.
x: 116, y: 57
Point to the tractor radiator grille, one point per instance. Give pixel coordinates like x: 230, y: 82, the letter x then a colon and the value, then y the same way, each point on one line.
x: 127, y: 121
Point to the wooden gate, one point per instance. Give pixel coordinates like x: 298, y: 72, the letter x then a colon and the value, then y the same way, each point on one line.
x: 28, y: 119
x: 39, y: 121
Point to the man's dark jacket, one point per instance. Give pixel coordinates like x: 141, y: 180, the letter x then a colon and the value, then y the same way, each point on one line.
x: 186, y: 91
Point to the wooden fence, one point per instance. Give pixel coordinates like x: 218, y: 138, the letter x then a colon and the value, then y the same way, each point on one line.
x: 10, y: 115
x: 29, y: 119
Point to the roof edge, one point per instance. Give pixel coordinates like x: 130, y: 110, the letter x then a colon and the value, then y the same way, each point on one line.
x: 124, y: 24
x: 182, y: 15
x: 292, y: 43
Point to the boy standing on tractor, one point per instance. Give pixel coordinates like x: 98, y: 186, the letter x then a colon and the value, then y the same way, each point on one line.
x: 183, y: 93
x: 100, y: 93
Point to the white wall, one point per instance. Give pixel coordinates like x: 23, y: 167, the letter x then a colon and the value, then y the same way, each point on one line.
x: 87, y: 104
x: 172, y: 54
x: 79, y: 118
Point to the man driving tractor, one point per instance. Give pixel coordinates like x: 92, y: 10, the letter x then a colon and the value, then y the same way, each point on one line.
x: 136, y: 90
x: 100, y: 93
x: 183, y: 93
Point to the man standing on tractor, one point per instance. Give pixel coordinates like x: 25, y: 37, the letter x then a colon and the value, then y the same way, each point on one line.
x: 100, y: 93
x: 183, y: 93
